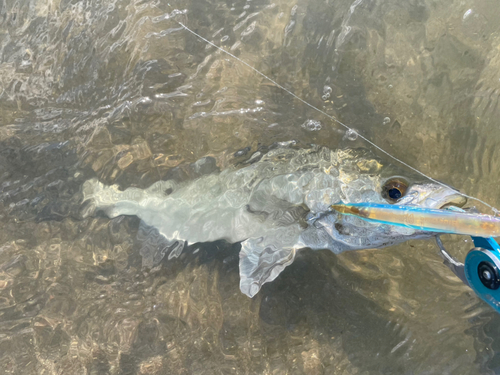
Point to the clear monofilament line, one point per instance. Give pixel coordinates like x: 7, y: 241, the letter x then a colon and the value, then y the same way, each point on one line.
x: 328, y: 116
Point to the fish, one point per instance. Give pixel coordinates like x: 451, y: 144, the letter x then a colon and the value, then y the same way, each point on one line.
x: 277, y: 205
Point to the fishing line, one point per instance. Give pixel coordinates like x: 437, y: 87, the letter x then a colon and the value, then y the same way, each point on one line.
x: 351, y: 130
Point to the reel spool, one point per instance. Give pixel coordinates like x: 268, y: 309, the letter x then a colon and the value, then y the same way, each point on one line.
x: 482, y: 270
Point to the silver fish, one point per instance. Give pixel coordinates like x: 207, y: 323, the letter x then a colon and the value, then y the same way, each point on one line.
x: 277, y: 206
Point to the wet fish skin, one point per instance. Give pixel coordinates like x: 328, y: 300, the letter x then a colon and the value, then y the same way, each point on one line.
x: 274, y: 207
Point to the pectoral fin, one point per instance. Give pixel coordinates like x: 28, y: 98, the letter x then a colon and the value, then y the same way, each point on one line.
x: 263, y: 259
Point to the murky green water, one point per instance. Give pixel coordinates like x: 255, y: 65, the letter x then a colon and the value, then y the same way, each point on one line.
x: 119, y: 91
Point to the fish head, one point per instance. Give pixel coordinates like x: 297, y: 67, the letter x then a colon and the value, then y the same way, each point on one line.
x: 386, y: 185
x: 427, y: 194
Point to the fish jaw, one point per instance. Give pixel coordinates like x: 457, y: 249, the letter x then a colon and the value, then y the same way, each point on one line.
x: 432, y: 195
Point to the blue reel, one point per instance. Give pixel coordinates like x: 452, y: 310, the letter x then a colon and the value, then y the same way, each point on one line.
x: 482, y: 270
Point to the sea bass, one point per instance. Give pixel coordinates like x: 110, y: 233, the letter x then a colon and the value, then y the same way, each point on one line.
x: 277, y: 206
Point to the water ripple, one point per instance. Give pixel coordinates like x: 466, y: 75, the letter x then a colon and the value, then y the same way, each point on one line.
x: 118, y: 91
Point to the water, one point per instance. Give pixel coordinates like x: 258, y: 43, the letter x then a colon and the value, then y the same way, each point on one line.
x: 119, y: 91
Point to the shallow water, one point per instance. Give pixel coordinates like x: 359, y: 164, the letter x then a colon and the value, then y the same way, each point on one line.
x: 119, y: 91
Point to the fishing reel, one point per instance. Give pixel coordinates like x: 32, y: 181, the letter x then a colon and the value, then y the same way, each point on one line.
x: 481, y: 271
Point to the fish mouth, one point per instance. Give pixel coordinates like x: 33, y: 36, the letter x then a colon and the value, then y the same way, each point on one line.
x: 453, y: 200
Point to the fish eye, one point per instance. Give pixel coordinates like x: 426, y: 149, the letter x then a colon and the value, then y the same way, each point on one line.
x: 394, y: 189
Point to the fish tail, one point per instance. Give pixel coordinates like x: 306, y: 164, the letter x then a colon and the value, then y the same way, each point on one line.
x: 99, y: 197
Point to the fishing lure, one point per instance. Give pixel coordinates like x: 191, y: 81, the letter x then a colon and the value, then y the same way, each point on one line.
x: 426, y: 219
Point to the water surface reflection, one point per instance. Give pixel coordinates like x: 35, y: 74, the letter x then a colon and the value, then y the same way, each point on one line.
x: 119, y: 91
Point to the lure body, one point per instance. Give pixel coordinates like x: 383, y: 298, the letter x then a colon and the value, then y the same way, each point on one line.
x: 426, y: 219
